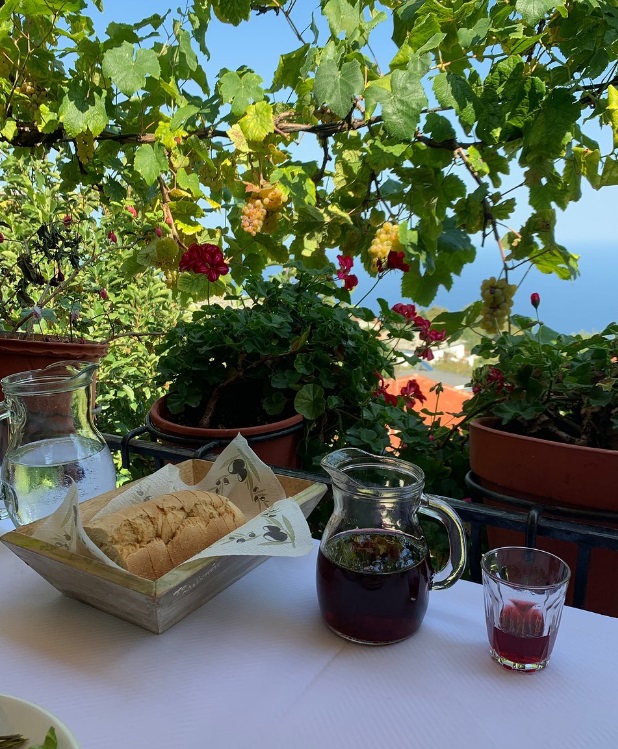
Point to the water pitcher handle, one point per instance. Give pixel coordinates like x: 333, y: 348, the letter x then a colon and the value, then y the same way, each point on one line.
x: 4, y: 438
x: 442, y: 511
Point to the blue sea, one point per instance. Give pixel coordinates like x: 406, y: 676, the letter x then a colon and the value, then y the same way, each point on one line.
x: 586, y: 304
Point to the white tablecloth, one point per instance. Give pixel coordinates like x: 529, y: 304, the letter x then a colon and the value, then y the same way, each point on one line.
x: 255, y: 667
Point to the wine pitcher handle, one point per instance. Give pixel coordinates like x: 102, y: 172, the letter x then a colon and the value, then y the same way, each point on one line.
x: 440, y: 510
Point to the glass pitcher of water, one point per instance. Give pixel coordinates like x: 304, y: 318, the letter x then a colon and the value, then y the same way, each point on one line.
x: 52, y: 440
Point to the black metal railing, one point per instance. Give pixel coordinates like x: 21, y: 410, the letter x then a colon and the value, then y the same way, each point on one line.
x: 585, y: 530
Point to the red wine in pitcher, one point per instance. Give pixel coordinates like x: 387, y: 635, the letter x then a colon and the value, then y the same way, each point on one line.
x: 373, y: 585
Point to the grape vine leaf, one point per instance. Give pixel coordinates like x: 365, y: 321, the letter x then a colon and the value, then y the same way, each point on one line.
x: 454, y: 91
x: 83, y: 109
x: 533, y: 10
x: 240, y: 91
x: 342, y: 17
x: 39, y: 7
x: 289, y: 70
x: 150, y: 161
x: 403, y: 104
x: 182, y: 115
x: 258, y: 122
x: 128, y: 68
x: 337, y: 87
x: 232, y: 11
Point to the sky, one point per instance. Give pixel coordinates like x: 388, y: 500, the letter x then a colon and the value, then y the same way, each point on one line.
x: 586, y: 228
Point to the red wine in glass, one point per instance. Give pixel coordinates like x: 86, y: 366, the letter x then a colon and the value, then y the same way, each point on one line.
x: 519, y: 637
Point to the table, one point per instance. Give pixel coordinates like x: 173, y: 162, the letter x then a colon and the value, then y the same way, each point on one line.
x: 255, y: 667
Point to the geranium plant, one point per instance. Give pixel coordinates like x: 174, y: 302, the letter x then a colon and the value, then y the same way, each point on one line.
x: 294, y: 344
x: 549, y: 385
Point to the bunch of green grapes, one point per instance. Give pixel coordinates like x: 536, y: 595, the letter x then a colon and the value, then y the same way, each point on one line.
x: 84, y: 145
x: 262, y: 211
x: 29, y: 98
x: 272, y: 197
x: 497, y: 296
x: 253, y: 215
x: 326, y: 115
x: 386, y: 239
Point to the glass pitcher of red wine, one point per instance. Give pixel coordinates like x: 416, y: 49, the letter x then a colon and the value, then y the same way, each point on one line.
x: 374, y: 571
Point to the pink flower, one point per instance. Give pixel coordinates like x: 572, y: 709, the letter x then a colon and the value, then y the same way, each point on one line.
x: 131, y: 209
x: 535, y: 300
x: 112, y: 237
x: 206, y: 259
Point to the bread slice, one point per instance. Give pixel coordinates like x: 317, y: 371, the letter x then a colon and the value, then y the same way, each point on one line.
x: 151, y: 538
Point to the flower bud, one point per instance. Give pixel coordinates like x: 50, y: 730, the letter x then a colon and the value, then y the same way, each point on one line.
x: 131, y: 209
x: 112, y: 237
x: 535, y: 300
x: 67, y: 220
x: 1, y: 237
x: 103, y: 294
x: 158, y: 231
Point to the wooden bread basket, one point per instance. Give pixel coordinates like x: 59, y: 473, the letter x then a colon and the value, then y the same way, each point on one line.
x: 153, y: 605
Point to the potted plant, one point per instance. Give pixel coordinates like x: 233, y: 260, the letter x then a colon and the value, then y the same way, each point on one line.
x: 543, y: 426
x: 292, y: 349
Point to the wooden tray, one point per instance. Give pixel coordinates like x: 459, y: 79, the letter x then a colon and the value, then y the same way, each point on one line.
x: 154, y: 605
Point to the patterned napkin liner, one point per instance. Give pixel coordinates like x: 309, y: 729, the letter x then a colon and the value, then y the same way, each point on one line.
x: 278, y: 530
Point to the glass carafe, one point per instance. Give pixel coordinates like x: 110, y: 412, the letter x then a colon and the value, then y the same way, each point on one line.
x: 374, y: 571
x: 52, y: 440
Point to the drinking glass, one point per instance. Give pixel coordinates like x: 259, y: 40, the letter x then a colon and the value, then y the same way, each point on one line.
x: 524, y: 592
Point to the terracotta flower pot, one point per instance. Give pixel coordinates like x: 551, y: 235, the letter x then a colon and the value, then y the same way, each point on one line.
x: 276, y: 443
x: 21, y: 352
x: 552, y: 474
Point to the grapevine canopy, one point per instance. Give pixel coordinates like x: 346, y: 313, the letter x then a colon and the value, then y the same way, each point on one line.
x: 478, y: 121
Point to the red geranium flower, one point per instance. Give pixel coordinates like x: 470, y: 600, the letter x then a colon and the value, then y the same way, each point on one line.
x: 406, y: 310
x: 343, y: 274
x: 383, y: 391
x: 206, y: 259
x: 395, y: 261
x: 411, y: 391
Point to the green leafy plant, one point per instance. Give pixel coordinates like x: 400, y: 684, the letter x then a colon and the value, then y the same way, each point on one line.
x: 292, y: 344
x: 549, y: 385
